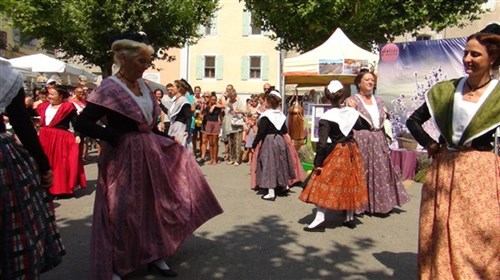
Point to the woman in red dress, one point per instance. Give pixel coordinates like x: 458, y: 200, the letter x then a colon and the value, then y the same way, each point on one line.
x: 60, y: 145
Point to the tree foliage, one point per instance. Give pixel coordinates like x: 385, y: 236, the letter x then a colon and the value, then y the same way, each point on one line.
x: 84, y: 28
x: 304, y: 24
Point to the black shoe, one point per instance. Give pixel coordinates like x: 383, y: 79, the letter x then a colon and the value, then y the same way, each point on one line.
x: 350, y: 224
x: 162, y: 272
x: 319, y: 228
x: 283, y: 192
x: 268, y: 198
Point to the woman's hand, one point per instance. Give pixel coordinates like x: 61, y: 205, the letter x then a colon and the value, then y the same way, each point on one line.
x: 432, y: 149
x: 351, y: 103
x: 47, y: 179
x: 78, y: 140
x: 161, y: 126
x: 317, y: 170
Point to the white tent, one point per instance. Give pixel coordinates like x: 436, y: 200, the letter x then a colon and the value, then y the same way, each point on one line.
x: 44, y: 64
x: 26, y: 71
x: 337, y: 58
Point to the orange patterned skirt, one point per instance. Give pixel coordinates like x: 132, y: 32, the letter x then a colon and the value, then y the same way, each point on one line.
x: 341, y: 185
x: 459, y: 236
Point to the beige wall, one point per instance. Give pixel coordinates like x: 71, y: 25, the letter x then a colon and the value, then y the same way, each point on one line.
x: 168, y: 72
x: 14, y: 46
x: 230, y: 44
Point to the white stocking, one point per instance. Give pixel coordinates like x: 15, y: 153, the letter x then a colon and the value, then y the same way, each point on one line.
x: 320, y: 217
x: 349, y: 215
x: 161, y: 264
x: 270, y: 194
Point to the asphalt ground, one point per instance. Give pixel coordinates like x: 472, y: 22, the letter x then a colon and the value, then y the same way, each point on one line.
x: 257, y: 239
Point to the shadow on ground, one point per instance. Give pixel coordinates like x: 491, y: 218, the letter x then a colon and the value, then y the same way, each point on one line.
x: 261, y: 251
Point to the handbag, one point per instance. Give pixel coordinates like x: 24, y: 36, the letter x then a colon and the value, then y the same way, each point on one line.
x: 237, y: 120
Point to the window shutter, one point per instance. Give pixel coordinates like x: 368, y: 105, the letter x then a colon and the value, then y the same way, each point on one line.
x: 201, y: 30
x: 219, y: 67
x: 200, y: 67
x: 245, y: 60
x: 264, y: 64
x: 246, y: 23
x: 213, y: 27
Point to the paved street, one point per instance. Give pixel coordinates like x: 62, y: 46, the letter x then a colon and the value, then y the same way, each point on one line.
x: 257, y: 239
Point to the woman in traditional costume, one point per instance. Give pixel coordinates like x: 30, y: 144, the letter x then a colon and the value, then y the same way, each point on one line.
x: 151, y: 194
x: 29, y: 237
x: 79, y: 100
x: 299, y: 172
x: 338, y: 179
x: 61, y: 146
x: 181, y: 116
x: 459, y: 235
x: 274, y: 165
x: 385, y: 189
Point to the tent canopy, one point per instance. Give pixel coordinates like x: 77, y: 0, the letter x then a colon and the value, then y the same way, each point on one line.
x: 337, y: 58
x: 42, y: 63
x: 26, y: 71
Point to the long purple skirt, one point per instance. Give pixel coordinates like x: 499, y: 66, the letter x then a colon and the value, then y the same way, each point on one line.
x: 151, y: 196
x: 385, y: 189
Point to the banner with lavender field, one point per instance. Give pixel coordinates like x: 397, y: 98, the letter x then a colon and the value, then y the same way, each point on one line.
x: 406, y: 71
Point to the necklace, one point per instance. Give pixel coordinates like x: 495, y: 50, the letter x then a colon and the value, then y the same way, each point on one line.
x: 135, y: 90
x: 125, y: 77
x: 476, y: 88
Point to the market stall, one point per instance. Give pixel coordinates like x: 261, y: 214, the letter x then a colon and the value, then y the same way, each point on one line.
x: 337, y: 58
x: 46, y: 65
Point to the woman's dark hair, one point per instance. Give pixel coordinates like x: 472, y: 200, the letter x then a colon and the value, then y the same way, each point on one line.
x: 179, y: 84
x: 335, y: 98
x: 62, y: 92
x: 271, y: 88
x: 213, y: 93
x: 492, y: 44
x: 360, y: 76
x: 273, y: 100
x: 160, y: 90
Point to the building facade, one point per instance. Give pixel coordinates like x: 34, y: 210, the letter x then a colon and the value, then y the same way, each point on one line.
x: 234, y: 51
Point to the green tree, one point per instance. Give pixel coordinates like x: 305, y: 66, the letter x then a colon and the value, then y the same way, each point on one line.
x: 304, y: 24
x: 84, y: 28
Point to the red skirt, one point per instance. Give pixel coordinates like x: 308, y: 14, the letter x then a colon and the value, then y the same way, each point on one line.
x: 64, y: 158
x: 341, y: 185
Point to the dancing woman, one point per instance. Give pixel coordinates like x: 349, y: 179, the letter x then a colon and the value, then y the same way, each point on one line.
x: 151, y: 194
x: 274, y: 165
x: 61, y: 146
x: 338, y: 180
x: 459, y: 235
x: 29, y: 237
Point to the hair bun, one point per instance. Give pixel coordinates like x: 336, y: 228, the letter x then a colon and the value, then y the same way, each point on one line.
x: 140, y: 37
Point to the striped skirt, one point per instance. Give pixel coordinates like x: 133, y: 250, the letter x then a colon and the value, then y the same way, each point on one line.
x: 29, y: 237
x: 274, y: 165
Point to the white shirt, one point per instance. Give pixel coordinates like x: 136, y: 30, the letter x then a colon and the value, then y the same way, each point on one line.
x: 50, y: 112
x: 464, y: 111
x: 373, y: 111
x: 144, y: 101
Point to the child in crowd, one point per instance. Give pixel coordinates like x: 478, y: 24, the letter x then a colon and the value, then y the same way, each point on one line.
x: 250, y: 130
